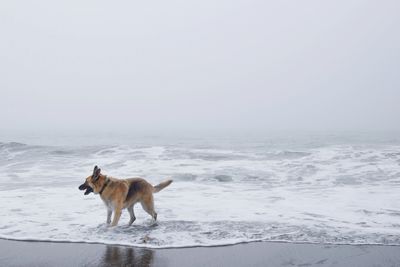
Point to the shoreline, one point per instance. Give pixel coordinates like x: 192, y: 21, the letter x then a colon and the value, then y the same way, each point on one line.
x: 47, y: 253
x: 32, y: 240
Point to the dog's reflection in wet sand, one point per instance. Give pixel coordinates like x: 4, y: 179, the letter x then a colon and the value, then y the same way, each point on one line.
x: 126, y: 256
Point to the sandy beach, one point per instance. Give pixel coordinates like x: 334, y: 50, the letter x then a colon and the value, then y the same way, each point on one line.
x: 22, y: 253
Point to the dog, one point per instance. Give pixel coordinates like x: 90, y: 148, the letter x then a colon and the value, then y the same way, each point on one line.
x: 118, y: 194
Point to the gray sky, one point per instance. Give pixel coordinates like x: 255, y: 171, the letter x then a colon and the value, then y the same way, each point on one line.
x: 207, y: 66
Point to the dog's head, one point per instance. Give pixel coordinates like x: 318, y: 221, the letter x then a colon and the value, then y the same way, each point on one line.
x: 93, y: 182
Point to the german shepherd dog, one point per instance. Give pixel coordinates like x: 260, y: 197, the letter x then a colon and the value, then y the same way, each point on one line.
x: 118, y: 194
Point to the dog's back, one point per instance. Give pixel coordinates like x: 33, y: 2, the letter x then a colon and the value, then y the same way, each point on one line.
x: 137, y: 188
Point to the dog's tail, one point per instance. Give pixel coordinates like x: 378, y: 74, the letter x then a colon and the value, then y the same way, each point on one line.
x: 161, y: 186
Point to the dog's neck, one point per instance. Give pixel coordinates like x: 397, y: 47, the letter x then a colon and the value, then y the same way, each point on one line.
x: 104, y: 185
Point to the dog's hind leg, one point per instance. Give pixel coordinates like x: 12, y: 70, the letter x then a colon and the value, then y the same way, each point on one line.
x: 132, y: 214
x: 109, y: 213
x: 148, y: 206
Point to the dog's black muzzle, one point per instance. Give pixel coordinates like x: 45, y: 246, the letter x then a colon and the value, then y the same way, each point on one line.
x: 85, y: 186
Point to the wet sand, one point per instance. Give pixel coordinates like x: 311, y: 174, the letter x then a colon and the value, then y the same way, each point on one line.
x: 22, y: 253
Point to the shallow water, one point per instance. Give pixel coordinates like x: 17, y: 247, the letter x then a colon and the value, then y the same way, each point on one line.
x: 312, y: 189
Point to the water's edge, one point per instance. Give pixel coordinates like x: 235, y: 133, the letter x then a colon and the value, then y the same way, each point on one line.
x: 193, y: 246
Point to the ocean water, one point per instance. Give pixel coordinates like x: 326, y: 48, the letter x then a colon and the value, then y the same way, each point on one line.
x: 317, y: 189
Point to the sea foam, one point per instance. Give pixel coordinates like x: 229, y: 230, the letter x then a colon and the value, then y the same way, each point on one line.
x: 329, y: 193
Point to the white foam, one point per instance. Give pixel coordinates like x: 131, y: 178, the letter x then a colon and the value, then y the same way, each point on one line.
x: 332, y: 194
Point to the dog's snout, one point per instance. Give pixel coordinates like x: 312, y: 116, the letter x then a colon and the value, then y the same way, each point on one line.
x: 86, y: 187
x: 82, y: 186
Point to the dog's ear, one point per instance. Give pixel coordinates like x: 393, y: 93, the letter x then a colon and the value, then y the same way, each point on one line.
x: 96, y: 173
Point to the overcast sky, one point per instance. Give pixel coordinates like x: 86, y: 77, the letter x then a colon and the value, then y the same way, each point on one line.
x: 207, y: 66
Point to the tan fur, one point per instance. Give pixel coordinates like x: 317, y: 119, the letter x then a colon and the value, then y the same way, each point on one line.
x: 121, y: 194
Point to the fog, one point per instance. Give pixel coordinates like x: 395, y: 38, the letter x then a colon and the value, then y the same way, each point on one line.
x: 199, y: 66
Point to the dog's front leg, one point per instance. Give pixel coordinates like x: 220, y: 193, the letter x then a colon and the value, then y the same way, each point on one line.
x: 117, y: 215
x: 132, y: 215
x: 109, y: 213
